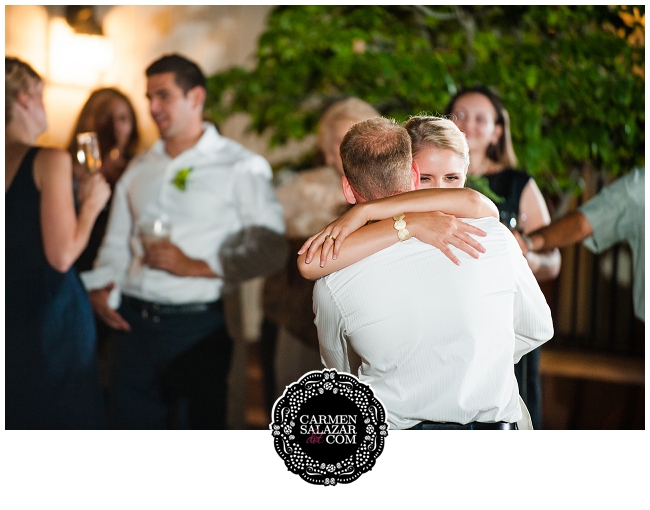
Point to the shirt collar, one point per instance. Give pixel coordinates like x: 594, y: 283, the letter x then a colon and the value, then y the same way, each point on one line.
x: 209, y: 141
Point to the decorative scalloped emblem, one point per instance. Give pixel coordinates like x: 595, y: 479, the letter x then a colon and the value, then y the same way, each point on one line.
x: 329, y: 427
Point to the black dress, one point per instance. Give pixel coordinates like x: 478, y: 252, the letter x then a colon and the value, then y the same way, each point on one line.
x: 51, y: 375
x: 509, y: 184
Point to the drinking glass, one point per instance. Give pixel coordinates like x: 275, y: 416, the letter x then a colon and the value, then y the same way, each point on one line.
x: 158, y: 230
x: 88, y: 151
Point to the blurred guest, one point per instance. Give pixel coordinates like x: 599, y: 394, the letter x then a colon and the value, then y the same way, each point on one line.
x: 110, y: 114
x: 615, y: 214
x: 223, y: 223
x: 310, y: 201
x: 51, y: 375
x: 480, y: 114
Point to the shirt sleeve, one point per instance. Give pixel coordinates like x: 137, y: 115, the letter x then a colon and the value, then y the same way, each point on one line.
x: 259, y: 248
x: 331, y: 327
x: 533, y: 322
x: 114, y: 255
x: 610, y: 212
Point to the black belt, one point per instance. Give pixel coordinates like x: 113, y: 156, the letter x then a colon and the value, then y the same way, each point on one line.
x: 148, y: 308
x: 475, y: 425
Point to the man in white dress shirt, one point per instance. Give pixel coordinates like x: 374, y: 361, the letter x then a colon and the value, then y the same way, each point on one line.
x: 172, y: 352
x: 435, y: 341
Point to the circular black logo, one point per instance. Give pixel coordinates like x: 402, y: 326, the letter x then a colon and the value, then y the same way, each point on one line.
x: 329, y: 427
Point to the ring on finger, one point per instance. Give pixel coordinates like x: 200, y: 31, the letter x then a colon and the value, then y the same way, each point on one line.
x: 328, y: 236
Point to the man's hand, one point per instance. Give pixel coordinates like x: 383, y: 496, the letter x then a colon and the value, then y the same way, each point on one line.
x: 99, y: 302
x: 168, y: 257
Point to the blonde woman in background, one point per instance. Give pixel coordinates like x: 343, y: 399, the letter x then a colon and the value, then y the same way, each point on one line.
x: 310, y: 200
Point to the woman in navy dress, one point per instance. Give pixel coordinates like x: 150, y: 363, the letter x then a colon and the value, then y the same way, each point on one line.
x: 51, y: 376
x: 480, y: 114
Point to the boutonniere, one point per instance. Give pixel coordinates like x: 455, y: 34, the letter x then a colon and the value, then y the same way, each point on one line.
x: 181, y: 178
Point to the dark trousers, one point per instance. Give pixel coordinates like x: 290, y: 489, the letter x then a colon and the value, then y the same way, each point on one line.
x: 170, y: 370
x: 529, y: 380
x: 268, y: 343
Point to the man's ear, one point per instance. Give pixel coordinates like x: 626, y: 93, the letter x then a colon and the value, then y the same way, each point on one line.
x: 415, y: 175
x: 197, y: 96
x: 22, y: 98
x: 348, y: 192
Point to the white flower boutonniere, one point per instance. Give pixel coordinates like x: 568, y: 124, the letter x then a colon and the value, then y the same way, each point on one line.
x: 181, y: 178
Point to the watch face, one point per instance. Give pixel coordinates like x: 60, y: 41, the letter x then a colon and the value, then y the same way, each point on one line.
x: 403, y: 234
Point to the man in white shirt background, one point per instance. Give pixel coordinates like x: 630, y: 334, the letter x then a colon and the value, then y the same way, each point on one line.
x: 435, y: 341
x: 172, y: 352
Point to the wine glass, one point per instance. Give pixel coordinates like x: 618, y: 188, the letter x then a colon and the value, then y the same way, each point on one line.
x: 88, y: 151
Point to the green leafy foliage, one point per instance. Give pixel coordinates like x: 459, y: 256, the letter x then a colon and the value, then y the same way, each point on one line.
x: 481, y: 184
x: 571, y: 77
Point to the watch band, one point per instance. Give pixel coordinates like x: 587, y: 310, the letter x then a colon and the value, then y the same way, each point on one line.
x: 400, y: 225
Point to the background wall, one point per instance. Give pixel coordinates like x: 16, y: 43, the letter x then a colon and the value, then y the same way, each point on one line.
x: 216, y: 37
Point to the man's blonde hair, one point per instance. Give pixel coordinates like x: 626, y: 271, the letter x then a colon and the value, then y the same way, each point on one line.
x: 437, y: 132
x: 376, y: 157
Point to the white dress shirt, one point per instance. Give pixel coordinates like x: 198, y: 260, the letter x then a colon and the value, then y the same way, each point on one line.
x: 435, y: 341
x: 227, y: 190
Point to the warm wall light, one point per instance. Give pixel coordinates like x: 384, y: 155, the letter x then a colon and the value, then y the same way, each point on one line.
x: 77, y: 59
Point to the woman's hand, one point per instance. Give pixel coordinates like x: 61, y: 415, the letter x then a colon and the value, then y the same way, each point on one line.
x: 94, y: 193
x: 333, y: 235
x: 112, y: 169
x: 441, y: 230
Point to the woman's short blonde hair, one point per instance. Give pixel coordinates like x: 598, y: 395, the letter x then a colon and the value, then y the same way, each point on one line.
x: 351, y: 109
x: 429, y: 131
x: 17, y: 77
